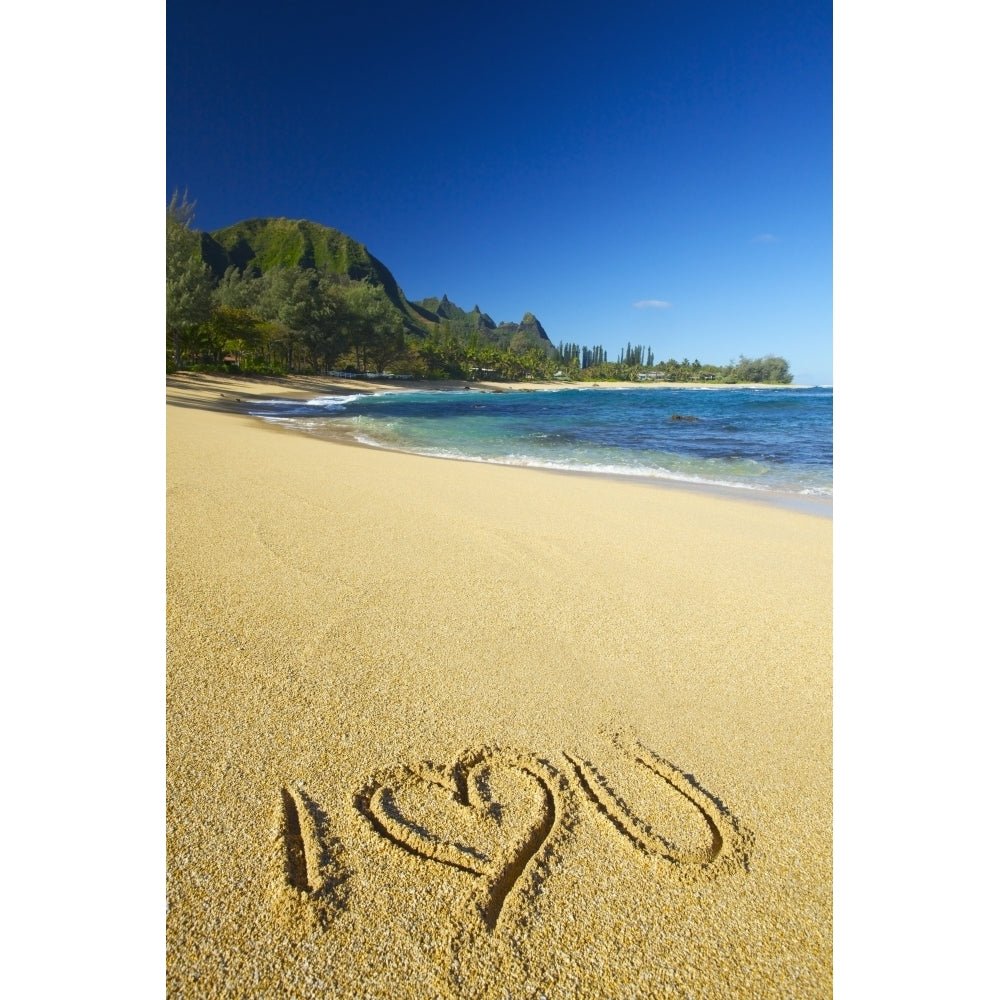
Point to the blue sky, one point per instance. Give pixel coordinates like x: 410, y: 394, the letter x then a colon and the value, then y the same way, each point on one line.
x: 652, y: 172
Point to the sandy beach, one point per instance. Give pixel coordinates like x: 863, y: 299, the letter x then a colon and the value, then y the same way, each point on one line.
x: 445, y: 729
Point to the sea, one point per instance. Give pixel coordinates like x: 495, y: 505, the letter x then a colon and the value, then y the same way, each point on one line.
x: 762, y: 442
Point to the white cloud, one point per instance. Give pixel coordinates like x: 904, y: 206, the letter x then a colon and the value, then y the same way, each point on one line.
x: 765, y: 238
x: 652, y: 304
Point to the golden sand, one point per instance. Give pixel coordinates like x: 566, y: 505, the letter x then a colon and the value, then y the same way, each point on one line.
x: 443, y: 729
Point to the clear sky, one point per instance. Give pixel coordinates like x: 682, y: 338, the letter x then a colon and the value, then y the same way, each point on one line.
x: 645, y: 171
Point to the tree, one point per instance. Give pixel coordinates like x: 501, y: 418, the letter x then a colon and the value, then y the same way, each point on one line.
x: 296, y: 300
x: 237, y: 290
x: 232, y: 331
x: 374, y: 327
x: 189, y: 280
x: 770, y: 369
x: 325, y: 335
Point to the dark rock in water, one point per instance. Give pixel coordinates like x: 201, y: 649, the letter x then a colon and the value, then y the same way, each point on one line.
x: 678, y: 416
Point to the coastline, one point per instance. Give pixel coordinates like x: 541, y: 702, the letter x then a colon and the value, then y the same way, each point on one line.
x: 303, y: 386
x: 236, y: 394
x: 634, y: 684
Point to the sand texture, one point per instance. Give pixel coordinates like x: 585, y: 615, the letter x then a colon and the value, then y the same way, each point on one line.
x: 442, y: 729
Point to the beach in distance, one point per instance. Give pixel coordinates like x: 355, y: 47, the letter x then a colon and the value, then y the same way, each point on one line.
x: 467, y: 730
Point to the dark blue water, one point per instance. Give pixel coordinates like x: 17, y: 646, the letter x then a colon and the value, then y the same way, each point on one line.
x: 776, y: 440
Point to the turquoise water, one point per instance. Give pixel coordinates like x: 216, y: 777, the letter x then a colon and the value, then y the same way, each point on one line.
x: 767, y: 440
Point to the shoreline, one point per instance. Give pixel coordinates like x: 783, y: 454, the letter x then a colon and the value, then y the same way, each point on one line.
x: 238, y: 394
x: 298, y: 386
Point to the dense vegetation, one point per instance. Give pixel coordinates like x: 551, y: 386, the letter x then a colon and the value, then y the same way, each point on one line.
x: 274, y: 296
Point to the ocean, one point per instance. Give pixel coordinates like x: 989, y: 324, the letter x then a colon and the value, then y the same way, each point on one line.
x: 766, y: 442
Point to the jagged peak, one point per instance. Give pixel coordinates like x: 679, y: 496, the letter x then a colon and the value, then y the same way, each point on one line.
x: 530, y: 322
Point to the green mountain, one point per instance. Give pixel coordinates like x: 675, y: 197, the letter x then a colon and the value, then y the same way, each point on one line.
x: 521, y: 336
x: 263, y: 244
x: 267, y: 243
x: 442, y: 308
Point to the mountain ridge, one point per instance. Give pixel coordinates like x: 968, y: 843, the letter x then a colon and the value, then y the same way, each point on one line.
x: 269, y: 242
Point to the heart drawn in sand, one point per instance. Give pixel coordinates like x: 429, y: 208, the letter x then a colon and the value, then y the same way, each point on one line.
x: 488, y: 817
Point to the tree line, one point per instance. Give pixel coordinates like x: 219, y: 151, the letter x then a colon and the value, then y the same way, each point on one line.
x: 302, y: 320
